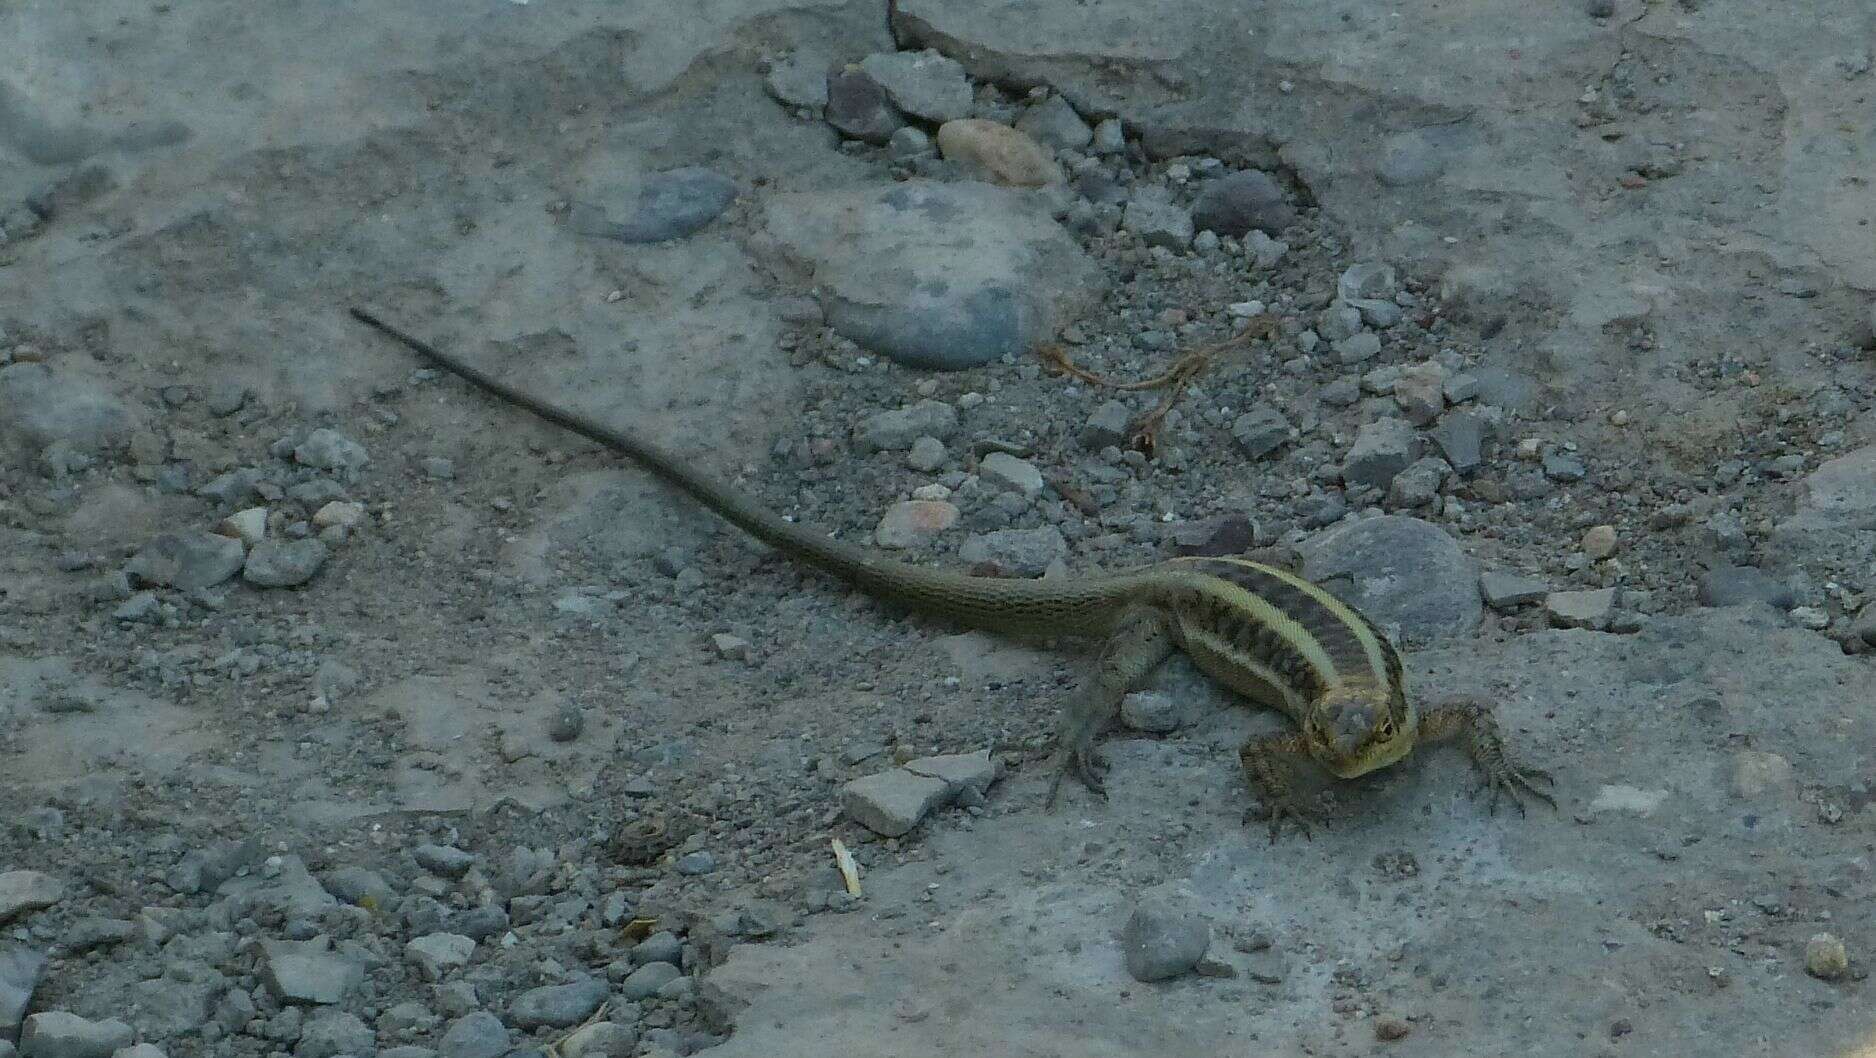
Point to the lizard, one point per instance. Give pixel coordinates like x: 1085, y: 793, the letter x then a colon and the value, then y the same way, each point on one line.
x: 1264, y: 632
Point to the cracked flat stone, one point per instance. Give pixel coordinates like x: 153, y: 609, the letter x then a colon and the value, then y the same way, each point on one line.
x: 892, y: 802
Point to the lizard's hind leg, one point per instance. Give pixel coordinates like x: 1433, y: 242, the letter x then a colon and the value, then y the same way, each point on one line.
x: 1472, y: 724
x: 1142, y: 638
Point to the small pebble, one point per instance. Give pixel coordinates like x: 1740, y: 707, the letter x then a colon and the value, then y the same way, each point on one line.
x: 1825, y: 957
x: 1599, y: 542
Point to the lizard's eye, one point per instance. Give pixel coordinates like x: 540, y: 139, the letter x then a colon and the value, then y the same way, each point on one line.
x: 1385, y: 728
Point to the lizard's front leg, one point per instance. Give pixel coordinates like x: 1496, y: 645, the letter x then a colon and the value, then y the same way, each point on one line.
x: 1472, y: 723
x: 1142, y: 638
x: 1266, y: 771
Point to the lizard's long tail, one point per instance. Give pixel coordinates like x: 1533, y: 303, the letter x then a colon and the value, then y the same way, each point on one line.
x: 1029, y: 607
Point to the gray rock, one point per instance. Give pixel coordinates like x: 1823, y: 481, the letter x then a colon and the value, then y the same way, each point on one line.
x: 20, y: 969
x: 6, y: 1046
x: 1007, y: 472
x: 1341, y: 392
x: 22, y: 892
x: 673, y: 204
x: 284, y: 563
x: 1382, y: 449
x: 141, y: 607
x: 1164, y: 938
x: 308, y: 972
x: 927, y: 454
x: 1339, y: 323
x: 476, y: 1035
x: 1241, y: 202
x: 1460, y: 436
x: 557, y: 1006
x: 1418, y: 485
x: 444, y: 861
x: 645, y: 982
x: 284, y: 885
x: 1109, y: 425
x: 207, y: 868
x: 1110, y: 137
x: 1580, y: 609
x: 1054, y: 123
x: 1156, y: 220
x: 186, y: 560
x: 897, y: 430
x: 601, y: 1039
x: 234, y: 1010
x: 141, y: 1050
x: 1508, y: 591
x: 1864, y: 628
x: 436, y: 954
x: 859, y: 107
x: 1563, y: 467
x: 925, y: 84
x: 1018, y: 552
x: 1421, y: 393
x: 1841, y: 493
x: 662, y: 946
x: 61, y: 1034
x: 479, y: 923
x: 695, y: 863
x: 1742, y: 586
x: 231, y: 488
x: 914, y: 523
x: 88, y: 934
x: 41, y: 405
x: 931, y: 275
x: 438, y: 468
x: 1152, y: 711
x: 798, y: 82
x: 891, y: 803
x: 330, y: 1033
x: 1403, y: 571
x: 359, y: 886
x: 909, y: 143
x: 959, y: 771
x: 1261, y: 430
x: 330, y: 450
x: 1357, y: 348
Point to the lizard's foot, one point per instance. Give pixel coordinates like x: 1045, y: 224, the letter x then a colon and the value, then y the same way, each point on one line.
x: 1084, y: 766
x: 1275, y: 811
x: 1510, y: 779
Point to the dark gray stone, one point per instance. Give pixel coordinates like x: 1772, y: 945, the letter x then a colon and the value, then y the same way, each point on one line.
x: 444, y: 861
x: 330, y: 450
x: 1109, y: 425
x: 1461, y: 436
x: 644, y: 982
x: 62, y: 1034
x: 284, y: 563
x: 1401, y: 571
x: 1261, y: 431
x: 674, y: 204
x: 1156, y: 220
x: 1563, y: 467
x: 931, y: 275
x: 20, y: 969
x: 896, y: 430
x: 557, y: 1006
x: 926, y: 84
x: 1054, y: 123
x: 41, y: 405
x: 859, y: 107
x: 359, y: 885
x: 479, y: 923
x: 1382, y: 449
x: 1742, y: 586
x: 187, y: 560
x: 1508, y: 591
x: 663, y: 946
x: 1237, y: 203
x: 1164, y: 938
x: 477, y: 1035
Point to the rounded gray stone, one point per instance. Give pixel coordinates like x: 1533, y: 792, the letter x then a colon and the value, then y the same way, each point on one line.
x: 1242, y: 202
x: 1400, y: 571
x: 557, y: 1006
x: 284, y: 563
x: 1164, y: 938
x: 934, y: 275
x: 644, y: 982
x: 187, y: 560
x: 477, y: 1035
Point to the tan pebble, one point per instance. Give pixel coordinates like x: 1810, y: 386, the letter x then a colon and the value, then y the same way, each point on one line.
x: 1390, y: 1029
x: 1599, y: 543
x: 912, y: 522
x: 339, y: 512
x: 1619, y: 418
x: 1825, y: 958
x: 1008, y: 156
x: 1530, y: 448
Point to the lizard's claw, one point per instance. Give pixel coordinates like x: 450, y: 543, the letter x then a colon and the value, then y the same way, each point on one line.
x: 1278, y: 809
x: 1505, y: 778
x: 1084, y: 766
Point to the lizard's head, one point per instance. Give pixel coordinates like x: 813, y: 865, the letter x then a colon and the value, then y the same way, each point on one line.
x: 1354, y: 729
